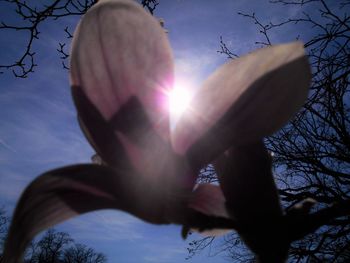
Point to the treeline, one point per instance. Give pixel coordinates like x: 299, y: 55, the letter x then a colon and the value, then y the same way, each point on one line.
x: 52, y: 247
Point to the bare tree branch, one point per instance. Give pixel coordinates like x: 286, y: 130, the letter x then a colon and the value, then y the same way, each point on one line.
x: 312, y: 153
x: 32, y: 16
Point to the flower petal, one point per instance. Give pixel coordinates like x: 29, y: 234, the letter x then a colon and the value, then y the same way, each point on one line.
x: 99, y: 132
x: 67, y: 192
x: 120, y: 51
x: 70, y: 191
x: 54, y: 197
x: 247, y: 183
x: 208, y: 199
x: 243, y: 101
x: 252, y: 200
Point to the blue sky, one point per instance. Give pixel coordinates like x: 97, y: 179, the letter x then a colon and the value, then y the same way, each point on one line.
x: 39, y: 131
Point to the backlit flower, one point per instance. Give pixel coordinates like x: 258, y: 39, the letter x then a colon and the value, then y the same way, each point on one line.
x: 121, y: 75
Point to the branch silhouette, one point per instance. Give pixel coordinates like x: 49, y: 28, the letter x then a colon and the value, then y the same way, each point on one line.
x: 31, y: 16
x: 311, y: 153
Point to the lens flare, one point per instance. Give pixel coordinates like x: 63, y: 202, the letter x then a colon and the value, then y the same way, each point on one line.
x: 179, y: 99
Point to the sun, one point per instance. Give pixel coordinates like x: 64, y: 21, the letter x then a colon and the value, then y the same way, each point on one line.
x: 179, y: 99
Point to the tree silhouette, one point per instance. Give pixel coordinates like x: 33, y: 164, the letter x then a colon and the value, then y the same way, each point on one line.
x: 312, y: 153
x: 59, y: 247
x: 49, y: 248
x: 4, y: 221
x: 52, y: 247
x: 82, y: 254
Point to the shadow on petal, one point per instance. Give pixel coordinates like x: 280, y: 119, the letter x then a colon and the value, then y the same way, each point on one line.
x: 119, y: 51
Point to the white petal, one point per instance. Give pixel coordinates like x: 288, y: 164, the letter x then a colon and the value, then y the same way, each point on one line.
x: 245, y: 100
x: 120, y: 51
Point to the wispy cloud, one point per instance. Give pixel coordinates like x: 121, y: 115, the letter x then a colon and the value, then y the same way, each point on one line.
x: 11, y: 185
x: 165, y: 254
x: 104, y: 226
x: 38, y: 129
x: 38, y: 122
x: 196, y: 65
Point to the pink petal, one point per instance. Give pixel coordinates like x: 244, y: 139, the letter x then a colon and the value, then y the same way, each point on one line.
x: 209, y: 200
x: 120, y: 51
x: 121, y: 69
x: 245, y: 100
x: 70, y: 191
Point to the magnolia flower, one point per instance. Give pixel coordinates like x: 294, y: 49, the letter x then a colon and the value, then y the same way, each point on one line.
x: 121, y: 75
